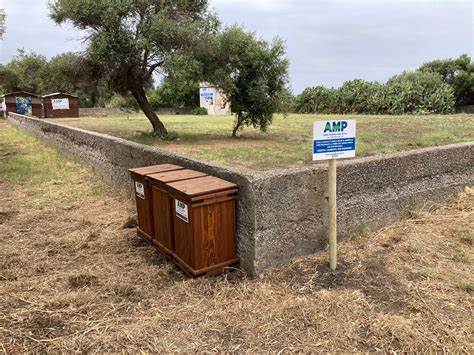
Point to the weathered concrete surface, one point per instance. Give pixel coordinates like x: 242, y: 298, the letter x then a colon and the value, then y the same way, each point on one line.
x: 282, y: 214
x: 291, y: 205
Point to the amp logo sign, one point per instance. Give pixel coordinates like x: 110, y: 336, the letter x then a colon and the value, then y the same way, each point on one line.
x: 334, y: 139
x: 337, y: 126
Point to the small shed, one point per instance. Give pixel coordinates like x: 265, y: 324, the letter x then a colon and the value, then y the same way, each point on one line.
x: 22, y: 102
x: 59, y: 105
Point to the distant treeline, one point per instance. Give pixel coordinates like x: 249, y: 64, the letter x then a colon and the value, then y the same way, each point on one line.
x: 436, y: 87
x: 74, y: 74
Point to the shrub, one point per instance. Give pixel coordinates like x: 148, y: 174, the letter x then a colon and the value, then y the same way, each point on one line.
x: 419, y: 92
x: 199, y: 111
x: 122, y: 102
x: 316, y: 100
x: 410, y: 92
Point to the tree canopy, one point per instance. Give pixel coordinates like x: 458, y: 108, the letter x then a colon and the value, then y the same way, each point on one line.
x: 252, y: 74
x: 133, y: 39
x: 26, y: 71
x: 459, y: 73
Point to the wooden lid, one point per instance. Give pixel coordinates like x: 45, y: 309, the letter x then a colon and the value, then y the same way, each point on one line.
x: 201, y: 186
x: 154, y: 169
x: 171, y: 176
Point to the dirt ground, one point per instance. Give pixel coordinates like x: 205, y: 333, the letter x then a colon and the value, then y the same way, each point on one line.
x: 74, y: 277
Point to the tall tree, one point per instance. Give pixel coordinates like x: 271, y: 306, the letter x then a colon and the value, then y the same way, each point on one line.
x: 27, y: 71
x: 459, y: 73
x: 75, y: 74
x: 132, y: 39
x: 252, y: 74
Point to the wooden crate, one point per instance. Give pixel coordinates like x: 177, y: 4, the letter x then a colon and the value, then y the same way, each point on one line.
x: 204, y: 224
x: 162, y: 206
x: 143, y: 196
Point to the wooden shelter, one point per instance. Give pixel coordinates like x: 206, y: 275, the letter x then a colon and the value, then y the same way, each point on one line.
x: 59, y: 105
x: 22, y: 102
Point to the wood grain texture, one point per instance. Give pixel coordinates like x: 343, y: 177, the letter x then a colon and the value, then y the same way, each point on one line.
x: 162, y: 219
x: 208, y: 239
x: 140, y: 173
x: 200, y: 186
x: 145, y: 205
x: 145, y: 211
x: 162, y: 178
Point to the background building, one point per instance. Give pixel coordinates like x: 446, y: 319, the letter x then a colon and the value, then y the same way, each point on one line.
x: 212, y: 98
x: 60, y: 105
x: 22, y: 102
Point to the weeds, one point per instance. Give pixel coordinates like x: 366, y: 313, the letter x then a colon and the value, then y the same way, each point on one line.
x: 360, y: 232
x: 461, y: 257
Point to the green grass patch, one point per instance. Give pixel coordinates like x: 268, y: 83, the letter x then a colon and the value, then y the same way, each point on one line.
x: 29, y: 164
x: 288, y: 141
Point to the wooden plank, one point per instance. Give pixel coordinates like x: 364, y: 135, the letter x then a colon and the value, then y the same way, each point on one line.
x: 201, y: 186
x: 142, y: 171
x: 162, y: 178
x: 162, y: 219
x: 145, y: 211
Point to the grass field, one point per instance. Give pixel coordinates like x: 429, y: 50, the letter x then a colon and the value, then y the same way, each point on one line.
x: 288, y: 141
x: 73, y: 278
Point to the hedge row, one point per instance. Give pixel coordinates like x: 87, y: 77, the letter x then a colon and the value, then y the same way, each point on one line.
x: 407, y: 93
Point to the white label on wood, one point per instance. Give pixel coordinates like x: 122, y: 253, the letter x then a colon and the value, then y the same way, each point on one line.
x: 60, y: 104
x: 182, y: 211
x: 140, y: 189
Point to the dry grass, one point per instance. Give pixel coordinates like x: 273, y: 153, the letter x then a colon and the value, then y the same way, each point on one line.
x: 74, y: 278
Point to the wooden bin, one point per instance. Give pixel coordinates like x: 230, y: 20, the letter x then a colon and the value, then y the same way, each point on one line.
x: 162, y: 206
x: 204, y: 224
x: 143, y: 196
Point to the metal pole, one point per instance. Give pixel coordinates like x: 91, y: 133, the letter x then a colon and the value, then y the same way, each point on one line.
x: 332, y: 215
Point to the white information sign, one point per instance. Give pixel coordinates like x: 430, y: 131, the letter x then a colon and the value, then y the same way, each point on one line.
x: 334, y: 139
x: 60, y: 104
x: 182, y: 211
x: 206, y: 97
x: 140, y: 189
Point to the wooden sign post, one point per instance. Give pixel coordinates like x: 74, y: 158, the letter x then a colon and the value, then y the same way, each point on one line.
x: 333, y: 140
x: 332, y: 186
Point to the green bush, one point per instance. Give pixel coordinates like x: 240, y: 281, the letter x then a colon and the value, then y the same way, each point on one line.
x: 199, y: 111
x: 419, y: 93
x: 410, y: 92
x: 123, y: 102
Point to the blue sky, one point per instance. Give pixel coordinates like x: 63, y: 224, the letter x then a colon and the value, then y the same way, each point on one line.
x: 328, y: 42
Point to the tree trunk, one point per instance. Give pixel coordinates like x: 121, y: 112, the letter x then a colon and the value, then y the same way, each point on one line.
x: 237, y: 126
x: 158, y: 126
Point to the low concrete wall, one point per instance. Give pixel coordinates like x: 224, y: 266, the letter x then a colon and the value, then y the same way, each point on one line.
x: 465, y: 109
x: 291, y: 205
x: 111, y: 157
x: 282, y: 214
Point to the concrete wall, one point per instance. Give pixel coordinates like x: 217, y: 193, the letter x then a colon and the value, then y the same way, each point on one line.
x: 111, y: 157
x: 291, y: 205
x: 465, y: 109
x: 282, y: 214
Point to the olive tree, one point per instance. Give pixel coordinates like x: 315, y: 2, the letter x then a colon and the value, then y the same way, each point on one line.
x: 252, y: 74
x: 133, y: 39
